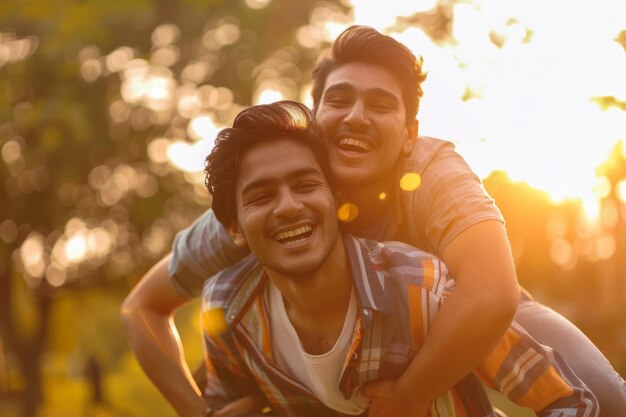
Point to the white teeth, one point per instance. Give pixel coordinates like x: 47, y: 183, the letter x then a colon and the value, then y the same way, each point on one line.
x: 294, y: 233
x: 355, y: 142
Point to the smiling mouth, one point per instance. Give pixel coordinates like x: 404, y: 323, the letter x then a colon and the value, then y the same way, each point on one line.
x: 354, y: 145
x: 294, y: 235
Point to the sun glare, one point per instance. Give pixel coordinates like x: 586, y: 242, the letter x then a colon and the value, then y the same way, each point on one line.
x: 268, y: 96
x: 515, y: 90
x: 189, y: 157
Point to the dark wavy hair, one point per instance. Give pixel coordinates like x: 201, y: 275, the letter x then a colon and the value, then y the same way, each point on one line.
x: 254, y: 125
x: 366, y: 45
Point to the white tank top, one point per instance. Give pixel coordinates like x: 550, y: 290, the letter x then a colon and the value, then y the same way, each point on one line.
x: 319, y: 373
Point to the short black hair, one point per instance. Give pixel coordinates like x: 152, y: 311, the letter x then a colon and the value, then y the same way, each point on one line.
x: 254, y: 125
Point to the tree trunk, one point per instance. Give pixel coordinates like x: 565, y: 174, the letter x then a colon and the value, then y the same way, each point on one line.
x: 30, y: 359
x: 28, y: 350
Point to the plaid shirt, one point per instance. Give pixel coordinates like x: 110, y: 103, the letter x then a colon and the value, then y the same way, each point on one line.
x: 399, y: 290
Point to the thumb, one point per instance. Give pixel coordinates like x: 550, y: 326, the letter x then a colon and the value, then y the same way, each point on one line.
x: 377, y: 388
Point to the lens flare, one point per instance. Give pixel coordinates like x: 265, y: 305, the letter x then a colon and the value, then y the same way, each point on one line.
x: 410, y: 181
x: 347, y: 212
x: 213, y: 321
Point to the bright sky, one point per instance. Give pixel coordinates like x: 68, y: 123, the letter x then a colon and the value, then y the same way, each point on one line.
x: 532, y: 115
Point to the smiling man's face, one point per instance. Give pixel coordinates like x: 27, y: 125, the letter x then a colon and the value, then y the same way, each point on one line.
x: 285, y: 209
x: 363, y: 117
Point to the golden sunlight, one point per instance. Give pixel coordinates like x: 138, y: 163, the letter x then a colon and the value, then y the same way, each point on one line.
x: 268, y: 95
x: 189, y: 157
x: 515, y: 91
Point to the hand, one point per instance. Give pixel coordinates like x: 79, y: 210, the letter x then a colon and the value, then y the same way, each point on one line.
x: 241, y: 407
x: 389, y: 401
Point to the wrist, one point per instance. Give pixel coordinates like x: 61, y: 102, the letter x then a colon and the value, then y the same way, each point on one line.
x: 413, y: 395
x: 207, y: 412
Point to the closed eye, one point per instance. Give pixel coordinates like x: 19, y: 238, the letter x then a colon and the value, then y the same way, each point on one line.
x: 308, y: 186
x: 257, y: 199
x: 337, y: 101
x: 384, y: 105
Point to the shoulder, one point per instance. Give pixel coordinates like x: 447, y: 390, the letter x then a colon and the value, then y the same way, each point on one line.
x: 434, y: 157
x: 220, y: 289
x: 428, y: 149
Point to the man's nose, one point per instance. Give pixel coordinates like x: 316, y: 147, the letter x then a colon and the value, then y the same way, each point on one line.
x: 288, y: 204
x: 357, y: 115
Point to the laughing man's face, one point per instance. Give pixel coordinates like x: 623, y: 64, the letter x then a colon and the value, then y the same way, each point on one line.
x: 285, y: 209
x: 363, y: 117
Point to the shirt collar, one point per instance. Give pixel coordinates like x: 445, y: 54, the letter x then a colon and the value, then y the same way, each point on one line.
x: 238, y: 286
x: 368, y: 282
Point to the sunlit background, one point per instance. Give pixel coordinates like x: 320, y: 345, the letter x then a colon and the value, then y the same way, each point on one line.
x: 108, y: 110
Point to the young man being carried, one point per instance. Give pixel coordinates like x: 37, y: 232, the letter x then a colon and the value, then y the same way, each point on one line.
x: 313, y: 314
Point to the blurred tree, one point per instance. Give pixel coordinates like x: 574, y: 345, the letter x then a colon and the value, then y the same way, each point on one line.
x: 82, y: 202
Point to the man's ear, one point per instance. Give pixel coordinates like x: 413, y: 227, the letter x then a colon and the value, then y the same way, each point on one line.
x: 238, y: 237
x: 411, y: 136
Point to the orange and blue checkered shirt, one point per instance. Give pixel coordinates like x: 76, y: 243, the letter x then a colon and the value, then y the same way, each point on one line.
x: 399, y: 291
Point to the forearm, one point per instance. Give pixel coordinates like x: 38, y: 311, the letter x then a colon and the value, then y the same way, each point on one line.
x: 462, y: 334
x: 147, y: 317
x: 474, y: 317
x: 157, y: 348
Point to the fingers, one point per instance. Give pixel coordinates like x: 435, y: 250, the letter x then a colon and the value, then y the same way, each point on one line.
x: 377, y: 388
x: 241, y: 407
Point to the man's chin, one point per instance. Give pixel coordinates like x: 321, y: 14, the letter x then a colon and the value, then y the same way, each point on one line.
x: 298, y: 272
x: 350, y: 177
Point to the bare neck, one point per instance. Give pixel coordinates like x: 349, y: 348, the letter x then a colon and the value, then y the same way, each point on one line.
x: 317, y: 304
x: 321, y: 292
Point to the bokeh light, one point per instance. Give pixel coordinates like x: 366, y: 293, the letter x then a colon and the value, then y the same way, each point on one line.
x: 213, y: 321
x: 257, y: 4
x: 157, y: 150
x: 165, y: 34
x: 347, y: 212
x: 13, y: 49
x: 117, y: 59
x: 267, y: 96
x: 410, y: 181
x: 189, y: 157
x: 11, y: 151
x: 32, y: 254
x: 202, y: 126
x: 562, y: 254
x: 620, y: 190
x: 8, y: 231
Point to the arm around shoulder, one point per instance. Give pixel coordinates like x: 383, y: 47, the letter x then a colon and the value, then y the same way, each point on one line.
x: 475, y: 315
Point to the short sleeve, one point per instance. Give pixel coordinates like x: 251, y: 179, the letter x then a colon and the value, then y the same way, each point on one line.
x: 450, y: 198
x: 200, y: 251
